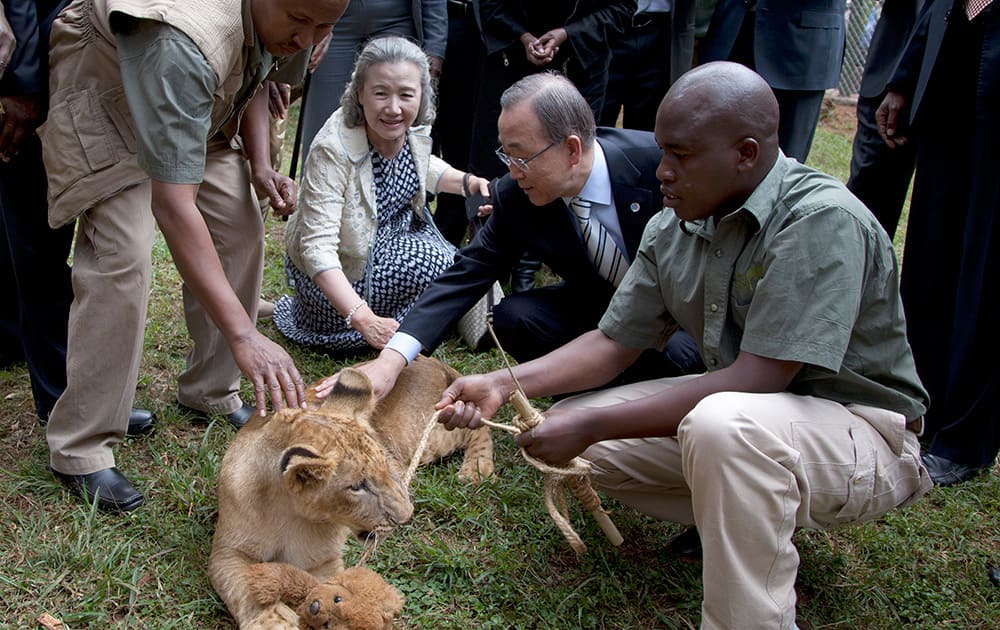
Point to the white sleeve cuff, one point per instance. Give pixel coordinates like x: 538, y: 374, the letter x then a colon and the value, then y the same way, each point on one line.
x: 406, y: 345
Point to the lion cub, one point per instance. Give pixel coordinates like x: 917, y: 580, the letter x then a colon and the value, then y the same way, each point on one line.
x: 294, y: 485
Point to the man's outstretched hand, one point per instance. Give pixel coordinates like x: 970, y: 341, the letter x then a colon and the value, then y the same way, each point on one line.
x: 469, y: 399
x: 382, y: 372
x: 272, y: 372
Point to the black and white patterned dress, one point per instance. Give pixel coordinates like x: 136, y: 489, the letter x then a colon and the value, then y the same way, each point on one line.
x: 406, y: 254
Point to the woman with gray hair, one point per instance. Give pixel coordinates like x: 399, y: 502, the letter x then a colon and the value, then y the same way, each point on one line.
x: 362, y: 245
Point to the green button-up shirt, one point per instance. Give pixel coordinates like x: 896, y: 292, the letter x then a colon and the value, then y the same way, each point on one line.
x: 170, y: 88
x: 801, y: 272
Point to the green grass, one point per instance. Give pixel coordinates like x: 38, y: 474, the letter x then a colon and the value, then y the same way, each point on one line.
x: 472, y: 557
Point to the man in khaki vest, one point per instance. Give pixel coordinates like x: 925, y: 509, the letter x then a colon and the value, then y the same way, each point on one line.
x: 147, y: 97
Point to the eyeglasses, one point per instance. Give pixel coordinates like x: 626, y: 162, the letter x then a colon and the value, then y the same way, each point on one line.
x: 521, y: 163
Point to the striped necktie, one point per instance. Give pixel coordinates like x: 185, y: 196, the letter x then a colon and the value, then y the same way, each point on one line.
x: 607, y: 258
x: 975, y: 7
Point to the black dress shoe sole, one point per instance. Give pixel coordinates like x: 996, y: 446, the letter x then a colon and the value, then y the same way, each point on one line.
x: 78, y: 486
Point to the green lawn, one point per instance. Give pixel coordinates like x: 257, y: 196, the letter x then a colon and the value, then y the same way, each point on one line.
x: 472, y: 557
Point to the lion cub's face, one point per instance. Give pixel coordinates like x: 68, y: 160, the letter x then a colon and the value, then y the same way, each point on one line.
x: 335, y: 466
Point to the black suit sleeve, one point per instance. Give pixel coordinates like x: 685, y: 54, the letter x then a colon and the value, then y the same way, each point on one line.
x: 487, y: 259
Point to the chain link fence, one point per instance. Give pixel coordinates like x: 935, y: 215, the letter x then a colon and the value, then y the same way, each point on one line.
x: 861, y: 17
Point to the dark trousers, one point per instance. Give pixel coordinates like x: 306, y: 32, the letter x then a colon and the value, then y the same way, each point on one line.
x: 880, y: 175
x: 952, y: 255
x: 639, y: 75
x: 798, y: 110
x: 458, y: 94
x: 35, y: 275
x: 533, y: 323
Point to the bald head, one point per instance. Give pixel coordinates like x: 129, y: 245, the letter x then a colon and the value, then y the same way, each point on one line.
x: 729, y: 99
x: 718, y: 128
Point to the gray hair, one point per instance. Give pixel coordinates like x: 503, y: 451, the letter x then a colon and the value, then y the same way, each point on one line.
x: 391, y: 49
x: 561, y: 109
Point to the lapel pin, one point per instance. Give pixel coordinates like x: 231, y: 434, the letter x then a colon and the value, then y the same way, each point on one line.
x: 634, y: 207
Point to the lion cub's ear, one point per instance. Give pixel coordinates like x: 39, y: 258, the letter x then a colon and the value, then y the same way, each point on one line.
x: 303, y: 468
x: 352, y: 396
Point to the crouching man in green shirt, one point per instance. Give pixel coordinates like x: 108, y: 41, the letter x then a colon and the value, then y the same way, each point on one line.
x: 810, y: 411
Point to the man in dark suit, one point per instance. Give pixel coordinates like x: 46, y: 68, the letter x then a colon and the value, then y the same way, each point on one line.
x: 555, y: 157
x: 796, y: 46
x: 880, y: 176
x: 34, y: 277
x: 655, y: 48
x: 947, y: 87
x: 33, y: 269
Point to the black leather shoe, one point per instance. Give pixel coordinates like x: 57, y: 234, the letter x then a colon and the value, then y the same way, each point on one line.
x: 945, y: 472
x: 108, y: 487
x: 140, y: 422
x: 686, y: 545
x: 236, y: 418
x: 240, y: 417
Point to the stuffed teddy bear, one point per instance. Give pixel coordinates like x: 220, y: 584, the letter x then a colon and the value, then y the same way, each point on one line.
x: 355, y: 599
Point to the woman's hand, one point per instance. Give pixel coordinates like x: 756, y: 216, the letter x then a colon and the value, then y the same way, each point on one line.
x: 376, y: 330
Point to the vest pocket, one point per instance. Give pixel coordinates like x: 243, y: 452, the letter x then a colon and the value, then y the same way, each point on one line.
x: 84, y: 133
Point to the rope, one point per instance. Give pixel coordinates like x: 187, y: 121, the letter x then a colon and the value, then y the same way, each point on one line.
x: 382, y: 531
x: 575, y: 474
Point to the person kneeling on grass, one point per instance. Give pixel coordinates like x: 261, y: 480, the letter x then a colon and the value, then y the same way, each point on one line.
x: 810, y: 410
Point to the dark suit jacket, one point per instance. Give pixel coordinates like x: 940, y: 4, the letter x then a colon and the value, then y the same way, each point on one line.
x: 31, y: 21
x: 590, y: 26
x: 917, y: 63
x: 888, y: 42
x: 798, y: 44
x: 546, y: 233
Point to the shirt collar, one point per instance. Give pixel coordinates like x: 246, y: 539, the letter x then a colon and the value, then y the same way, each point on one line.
x: 597, y: 188
x: 258, y: 56
x: 760, y: 203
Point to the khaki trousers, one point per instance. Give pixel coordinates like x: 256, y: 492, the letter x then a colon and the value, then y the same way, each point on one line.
x: 111, y: 283
x: 748, y: 469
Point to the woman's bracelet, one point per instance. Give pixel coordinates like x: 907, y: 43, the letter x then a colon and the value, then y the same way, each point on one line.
x: 465, y: 184
x: 350, y: 313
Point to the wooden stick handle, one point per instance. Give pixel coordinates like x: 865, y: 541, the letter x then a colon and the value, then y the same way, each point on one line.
x: 608, y: 527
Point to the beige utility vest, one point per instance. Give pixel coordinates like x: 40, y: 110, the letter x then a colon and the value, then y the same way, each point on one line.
x: 88, y: 140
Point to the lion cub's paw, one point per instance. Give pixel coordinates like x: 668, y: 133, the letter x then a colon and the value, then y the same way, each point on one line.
x: 278, y: 617
x: 271, y: 582
x: 476, y: 469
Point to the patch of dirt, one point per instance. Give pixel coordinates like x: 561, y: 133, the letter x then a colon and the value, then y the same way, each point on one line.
x: 839, y: 115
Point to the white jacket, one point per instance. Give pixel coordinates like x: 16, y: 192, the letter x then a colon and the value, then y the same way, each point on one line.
x: 334, y: 224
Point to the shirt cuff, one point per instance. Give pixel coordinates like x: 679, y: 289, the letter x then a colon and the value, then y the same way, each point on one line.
x: 406, y: 345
